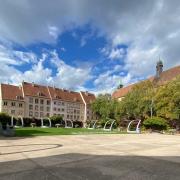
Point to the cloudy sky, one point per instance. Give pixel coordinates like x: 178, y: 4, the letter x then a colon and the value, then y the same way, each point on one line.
x: 87, y: 44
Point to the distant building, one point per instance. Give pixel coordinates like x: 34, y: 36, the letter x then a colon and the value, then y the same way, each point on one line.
x: 161, y: 78
x: 33, y: 100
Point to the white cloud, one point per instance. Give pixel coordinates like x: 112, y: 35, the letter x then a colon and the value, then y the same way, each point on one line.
x: 113, y: 53
x: 53, y: 31
x: 68, y: 76
x: 147, y: 28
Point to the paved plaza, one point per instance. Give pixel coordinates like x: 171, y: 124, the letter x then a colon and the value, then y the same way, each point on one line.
x: 122, y: 156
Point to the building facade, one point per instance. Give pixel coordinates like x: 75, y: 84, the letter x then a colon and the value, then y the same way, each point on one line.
x: 161, y: 78
x: 33, y: 100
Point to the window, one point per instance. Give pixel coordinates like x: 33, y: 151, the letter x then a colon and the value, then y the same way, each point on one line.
x: 5, y: 103
x: 62, y: 110
x: 20, y: 105
x: 47, y: 114
x: 48, y: 102
x: 36, y: 114
x: 36, y: 107
x: 12, y: 111
x: 41, y: 114
x: 30, y: 100
x: 41, y: 108
x: 13, y: 104
x: 41, y: 101
x: 20, y: 113
x: 74, y: 110
x: 62, y: 103
x: 58, y: 109
x: 54, y: 109
x: 30, y: 107
x: 30, y: 113
x: 36, y: 101
x: 48, y: 108
x: 54, y: 102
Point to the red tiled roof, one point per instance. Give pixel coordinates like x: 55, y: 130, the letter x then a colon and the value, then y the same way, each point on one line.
x: 122, y: 92
x: 31, y: 89
x: 165, y: 76
x: 10, y: 92
x: 88, y: 97
x: 65, y: 95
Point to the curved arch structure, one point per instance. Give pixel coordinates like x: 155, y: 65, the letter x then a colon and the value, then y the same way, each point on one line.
x: 111, y: 126
x: 21, y: 119
x: 137, y: 126
x: 66, y: 123
x: 42, y: 123
x: 92, y: 125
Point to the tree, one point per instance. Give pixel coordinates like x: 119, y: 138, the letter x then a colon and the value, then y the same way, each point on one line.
x: 104, y: 106
x: 167, y: 100
x: 138, y: 101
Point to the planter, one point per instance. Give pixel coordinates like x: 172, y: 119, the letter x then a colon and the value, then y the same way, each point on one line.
x: 8, y: 132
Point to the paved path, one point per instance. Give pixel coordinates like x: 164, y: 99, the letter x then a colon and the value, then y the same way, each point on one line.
x: 93, y: 157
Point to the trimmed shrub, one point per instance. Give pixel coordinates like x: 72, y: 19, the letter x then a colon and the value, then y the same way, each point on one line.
x: 5, y: 119
x: 155, y: 123
x: 56, y: 119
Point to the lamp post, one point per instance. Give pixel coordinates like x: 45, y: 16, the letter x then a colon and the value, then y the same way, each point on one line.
x: 151, y: 106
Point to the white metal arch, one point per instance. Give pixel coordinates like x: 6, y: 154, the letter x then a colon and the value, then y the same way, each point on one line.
x: 111, y: 126
x: 42, y: 123
x: 93, y: 124
x: 137, y: 126
x: 66, y: 123
x: 21, y: 119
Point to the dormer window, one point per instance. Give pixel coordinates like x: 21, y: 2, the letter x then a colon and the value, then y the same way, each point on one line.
x: 40, y: 94
x: 19, y: 97
x: 57, y: 97
x: 86, y: 93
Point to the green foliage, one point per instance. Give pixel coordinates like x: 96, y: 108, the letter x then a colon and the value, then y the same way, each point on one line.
x: 155, y: 123
x: 5, y: 118
x: 167, y: 100
x: 56, y: 119
x: 138, y: 101
x: 104, y: 106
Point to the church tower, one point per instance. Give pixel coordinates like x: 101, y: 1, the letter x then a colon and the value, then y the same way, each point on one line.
x: 159, y: 68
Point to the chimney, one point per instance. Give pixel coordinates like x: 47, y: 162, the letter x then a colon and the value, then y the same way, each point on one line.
x: 159, y: 68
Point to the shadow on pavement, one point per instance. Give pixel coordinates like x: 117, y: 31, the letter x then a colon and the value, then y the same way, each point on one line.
x: 52, y: 146
x: 95, y: 167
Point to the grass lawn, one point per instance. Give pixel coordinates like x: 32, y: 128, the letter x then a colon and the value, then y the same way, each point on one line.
x: 60, y: 131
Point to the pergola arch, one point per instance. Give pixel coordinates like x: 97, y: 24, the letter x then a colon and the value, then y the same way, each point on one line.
x: 92, y: 124
x: 42, y: 123
x: 21, y: 119
x: 67, y: 125
x: 137, y: 126
x: 112, y: 121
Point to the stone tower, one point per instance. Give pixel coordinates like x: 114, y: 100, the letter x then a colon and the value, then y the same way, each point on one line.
x: 159, y: 68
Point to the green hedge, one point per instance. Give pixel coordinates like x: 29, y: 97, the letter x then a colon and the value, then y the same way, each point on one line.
x: 4, y: 119
x: 155, y: 123
x: 56, y: 119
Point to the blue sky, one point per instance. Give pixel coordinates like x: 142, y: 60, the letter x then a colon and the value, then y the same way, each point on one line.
x: 86, y: 45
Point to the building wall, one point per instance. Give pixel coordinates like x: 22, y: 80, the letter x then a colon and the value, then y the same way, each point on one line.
x: 37, y: 107
x: 67, y: 109
x: 13, y: 108
x: 40, y: 107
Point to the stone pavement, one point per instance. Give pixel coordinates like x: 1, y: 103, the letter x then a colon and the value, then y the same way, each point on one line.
x: 118, y: 156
